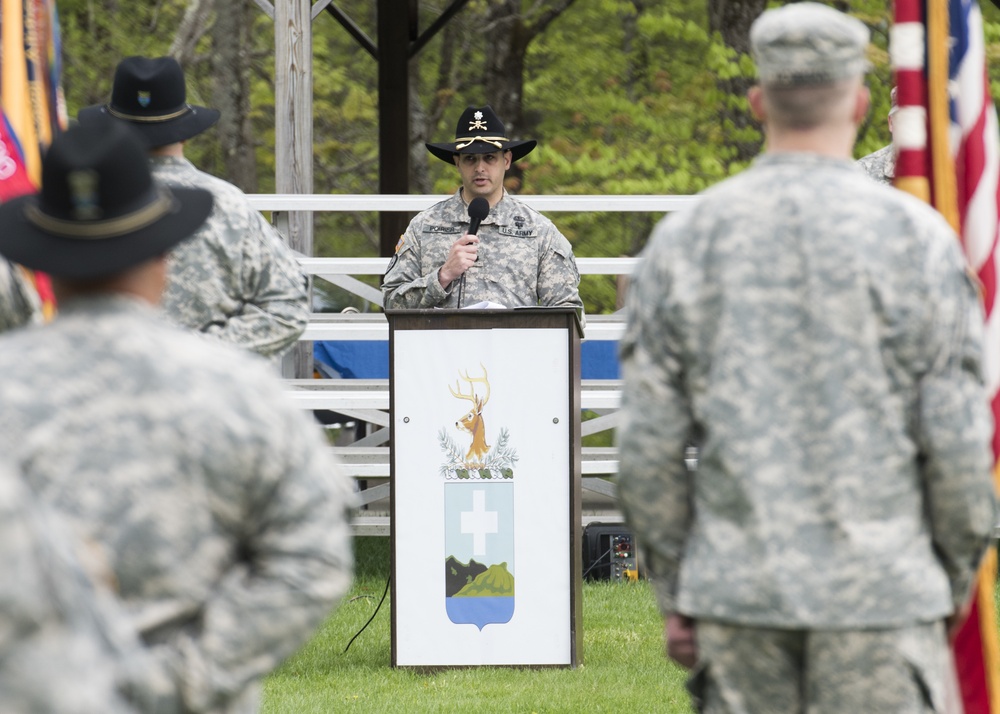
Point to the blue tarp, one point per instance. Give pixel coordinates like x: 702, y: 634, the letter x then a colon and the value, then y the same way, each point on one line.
x: 354, y: 359
x: 369, y: 359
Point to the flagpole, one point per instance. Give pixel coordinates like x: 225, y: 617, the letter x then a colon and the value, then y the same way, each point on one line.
x: 944, y: 190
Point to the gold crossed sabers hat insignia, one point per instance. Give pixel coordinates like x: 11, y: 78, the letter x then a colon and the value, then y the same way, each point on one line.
x: 480, y: 119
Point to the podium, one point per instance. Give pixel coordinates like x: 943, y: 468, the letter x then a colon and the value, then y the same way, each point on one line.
x: 485, y: 488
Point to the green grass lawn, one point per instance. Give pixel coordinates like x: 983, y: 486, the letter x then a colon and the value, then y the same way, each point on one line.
x: 623, y: 664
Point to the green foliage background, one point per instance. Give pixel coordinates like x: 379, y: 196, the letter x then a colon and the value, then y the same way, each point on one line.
x: 623, y: 95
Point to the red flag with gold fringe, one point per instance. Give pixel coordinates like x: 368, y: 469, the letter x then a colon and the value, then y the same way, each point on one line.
x: 32, y: 108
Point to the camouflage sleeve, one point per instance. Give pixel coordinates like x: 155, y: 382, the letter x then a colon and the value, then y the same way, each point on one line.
x: 275, y: 308
x: 955, y: 427
x: 403, y: 285
x: 293, y: 527
x: 654, y: 487
x: 19, y: 303
x: 558, y: 276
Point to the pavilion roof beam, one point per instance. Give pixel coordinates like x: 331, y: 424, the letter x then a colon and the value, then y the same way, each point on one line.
x: 319, y: 7
x: 436, y: 26
x: 353, y: 30
x: 267, y: 7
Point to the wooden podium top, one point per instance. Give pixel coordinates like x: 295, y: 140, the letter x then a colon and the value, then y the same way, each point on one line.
x: 469, y: 319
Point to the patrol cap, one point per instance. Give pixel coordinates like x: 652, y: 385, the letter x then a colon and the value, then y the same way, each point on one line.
x: 806, y: 43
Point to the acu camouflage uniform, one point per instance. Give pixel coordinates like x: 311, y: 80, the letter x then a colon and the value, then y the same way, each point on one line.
x: 65, y: 647
x: 235, y: 279
x: 818, y: 338
x: 523, y: 259
x: 881, y: 164
x: 19, y: 303
x: 216, y: 502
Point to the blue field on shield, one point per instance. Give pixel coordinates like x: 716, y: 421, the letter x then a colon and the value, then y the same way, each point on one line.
x: 479, y: 611
x: 479, y: 556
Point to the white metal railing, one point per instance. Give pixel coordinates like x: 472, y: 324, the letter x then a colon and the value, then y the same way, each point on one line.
x: 372, y: 326
x: 340, y: 272
x: 322, y: 267
x: 418, y: 202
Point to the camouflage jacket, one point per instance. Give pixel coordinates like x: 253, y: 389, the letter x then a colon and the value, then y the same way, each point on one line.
x: 216, y: 502
x: 235, y: 279
x: 55, y: 625
x: 818, y: 339
x: 19, y: 303
x: 881, y: 164
x: 523, y: 259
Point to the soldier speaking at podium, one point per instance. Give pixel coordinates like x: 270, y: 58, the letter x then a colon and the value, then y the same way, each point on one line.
x: 518, y: 256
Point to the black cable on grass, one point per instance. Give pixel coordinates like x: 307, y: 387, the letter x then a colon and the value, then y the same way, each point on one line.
x: 384, y: 593
x: 598, y: 561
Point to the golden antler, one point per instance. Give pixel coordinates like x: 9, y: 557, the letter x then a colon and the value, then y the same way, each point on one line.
x: 471, y: 396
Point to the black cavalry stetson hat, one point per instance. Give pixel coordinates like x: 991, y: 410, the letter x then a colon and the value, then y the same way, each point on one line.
x: 151, y: 95
x: 480, y: 131
x: 99, y: 211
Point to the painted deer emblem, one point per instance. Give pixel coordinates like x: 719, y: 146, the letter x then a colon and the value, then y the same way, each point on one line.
x: 472, y: 422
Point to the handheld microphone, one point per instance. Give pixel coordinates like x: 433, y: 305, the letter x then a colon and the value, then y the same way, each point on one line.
x: 479, y: 208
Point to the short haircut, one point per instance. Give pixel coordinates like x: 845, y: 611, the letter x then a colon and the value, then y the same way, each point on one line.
x: 808, y: 107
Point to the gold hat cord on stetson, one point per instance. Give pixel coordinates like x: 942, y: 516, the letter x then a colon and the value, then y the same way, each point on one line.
x: 135, y: 117
x: 111, y: 228
x: 469, y: 140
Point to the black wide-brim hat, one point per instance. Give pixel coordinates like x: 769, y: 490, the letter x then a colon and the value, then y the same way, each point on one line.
x: 99, y: 211
x: 480, y: 131
x: 151, y: 95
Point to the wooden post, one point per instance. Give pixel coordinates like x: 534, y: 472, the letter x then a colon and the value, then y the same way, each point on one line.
x: 294, y: 138
x: 393, y: 114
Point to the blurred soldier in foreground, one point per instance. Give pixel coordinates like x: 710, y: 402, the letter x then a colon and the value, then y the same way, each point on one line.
x: 64, y: 648
x: 518, y: 257
x: 881, y: 164
x: 215, y: 501
x: 818, y: 338
x: 19, y: 303
x: 236, y: 280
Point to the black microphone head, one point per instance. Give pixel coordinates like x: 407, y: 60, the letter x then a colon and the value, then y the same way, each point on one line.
x: 479, y: 208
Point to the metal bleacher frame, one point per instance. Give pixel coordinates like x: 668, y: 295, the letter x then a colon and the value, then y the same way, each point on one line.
x: 367, y: 400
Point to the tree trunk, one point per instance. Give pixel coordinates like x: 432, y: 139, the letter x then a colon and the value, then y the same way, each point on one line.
x: 458, y: 39
x: 231, y: 92
x: 503, y: 82
x: 732, y: 20
x: 420, y: 180
x: 191, y: 29
x: 511, y: 32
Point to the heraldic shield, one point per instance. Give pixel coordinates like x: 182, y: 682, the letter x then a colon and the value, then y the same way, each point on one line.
x: 479, y: 538
x: 478, y: 514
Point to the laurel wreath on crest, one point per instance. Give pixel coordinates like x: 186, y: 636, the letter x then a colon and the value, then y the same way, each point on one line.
x: 498, y: 464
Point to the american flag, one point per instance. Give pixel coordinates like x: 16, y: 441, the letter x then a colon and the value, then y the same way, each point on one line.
x: 948, y: 152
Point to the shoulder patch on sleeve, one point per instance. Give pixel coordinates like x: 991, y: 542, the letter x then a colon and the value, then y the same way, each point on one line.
x: 399, y: 243
x: 392, y: 264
